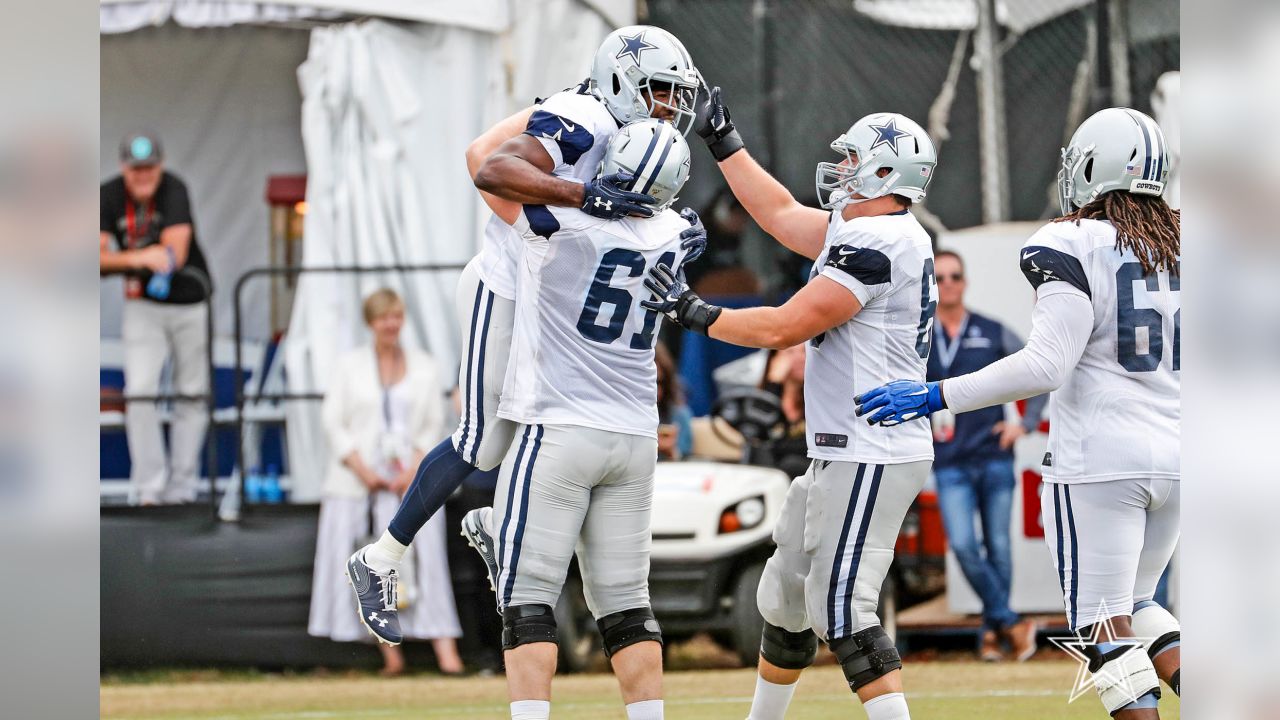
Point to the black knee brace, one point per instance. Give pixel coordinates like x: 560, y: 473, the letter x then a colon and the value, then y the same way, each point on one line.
x: 523, y: 624
x: 866, y: 655
x: 786, y: 649
x: 1161, y: 643
x: 628, y: 628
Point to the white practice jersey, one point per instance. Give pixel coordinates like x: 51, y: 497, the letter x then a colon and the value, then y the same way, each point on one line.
x: 575, y: 127
x: 582, y: 347
x: 886, y: 261
x: 1117, y: 415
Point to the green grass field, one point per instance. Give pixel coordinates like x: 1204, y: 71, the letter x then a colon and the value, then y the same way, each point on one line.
x: 936, y: 690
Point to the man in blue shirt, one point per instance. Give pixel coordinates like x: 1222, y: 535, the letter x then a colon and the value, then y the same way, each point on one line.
x: 973, y: 460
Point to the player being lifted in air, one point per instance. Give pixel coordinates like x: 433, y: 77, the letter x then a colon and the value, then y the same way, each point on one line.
x: 581, y: 392
x: 546, y: 154
x: 1105, y: 341
x: 865, y: 317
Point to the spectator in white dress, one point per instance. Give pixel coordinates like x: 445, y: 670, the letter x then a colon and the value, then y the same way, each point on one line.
x: 383, y: 408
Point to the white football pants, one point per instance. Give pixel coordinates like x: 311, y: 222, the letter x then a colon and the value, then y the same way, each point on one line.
x: 486, y: 320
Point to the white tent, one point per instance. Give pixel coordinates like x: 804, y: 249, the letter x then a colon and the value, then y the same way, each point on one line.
x: 381, y: 107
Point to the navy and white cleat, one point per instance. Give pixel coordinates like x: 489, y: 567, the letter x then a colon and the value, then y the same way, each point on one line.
x: 376, y: 598
x: 475, y: 528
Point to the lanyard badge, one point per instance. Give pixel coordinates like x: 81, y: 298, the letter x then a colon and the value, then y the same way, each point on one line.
x: 134, y: 233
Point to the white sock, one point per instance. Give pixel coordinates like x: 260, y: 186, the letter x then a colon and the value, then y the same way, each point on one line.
x: 385, y: 554
x: 645, y: 710
x: 771, y: 700
x: 887, y: 707
x: 531, y: 710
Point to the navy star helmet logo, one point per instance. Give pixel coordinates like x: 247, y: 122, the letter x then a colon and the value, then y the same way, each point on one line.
x: 633, y: 46
x: 888, y: 134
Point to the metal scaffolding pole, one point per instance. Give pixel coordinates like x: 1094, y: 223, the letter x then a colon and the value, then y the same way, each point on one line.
x: 992, y: 139
x: 1118, y: 53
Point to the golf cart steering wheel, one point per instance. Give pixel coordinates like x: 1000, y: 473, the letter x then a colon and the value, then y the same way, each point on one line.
x: 757, y: 415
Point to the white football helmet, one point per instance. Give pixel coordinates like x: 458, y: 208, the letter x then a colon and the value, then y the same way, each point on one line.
x: 880, y: 140
x: 655, y: 155
x: 1115, y: 149
x: 633, y: 59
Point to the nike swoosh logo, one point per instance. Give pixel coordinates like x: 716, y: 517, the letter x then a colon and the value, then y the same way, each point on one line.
x: 1027, y: 255
x: 568, y: 126
x: 842, y: 250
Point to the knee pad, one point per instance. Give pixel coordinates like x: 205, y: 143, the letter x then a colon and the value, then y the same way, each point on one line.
x: 1122, y: 675
x: 523, y: 624
x: 628, y: 627
x: 866, y: 655
x: 1157, y: 626
x: 786, y: 649
x: 780, y: 595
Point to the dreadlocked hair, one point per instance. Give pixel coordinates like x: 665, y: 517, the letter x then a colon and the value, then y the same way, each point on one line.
x: 1144, y: 224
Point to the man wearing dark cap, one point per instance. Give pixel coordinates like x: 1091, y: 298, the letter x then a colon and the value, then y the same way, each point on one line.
x: 148, y: 234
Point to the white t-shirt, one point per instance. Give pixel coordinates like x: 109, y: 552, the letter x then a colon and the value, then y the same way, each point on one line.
x: 582, y: 347
x: 1112, y: 340
x: 575, y: 128
x: 886, y: 261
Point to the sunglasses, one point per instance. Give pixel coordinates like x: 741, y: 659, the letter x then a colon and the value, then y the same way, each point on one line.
x: 953, y: 277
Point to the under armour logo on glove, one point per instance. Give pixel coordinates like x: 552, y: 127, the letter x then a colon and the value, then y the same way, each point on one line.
x: 604, y: 197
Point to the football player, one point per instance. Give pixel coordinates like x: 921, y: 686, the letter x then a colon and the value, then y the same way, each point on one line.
x: 865, y: 316
x: 1105, y: 341
x: 546, y: 154
x: 581, y: 391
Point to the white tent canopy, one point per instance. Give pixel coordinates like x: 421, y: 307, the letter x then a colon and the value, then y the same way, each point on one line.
x: 128, y: 15
x: 1017, y: 15
x: 381, y: 110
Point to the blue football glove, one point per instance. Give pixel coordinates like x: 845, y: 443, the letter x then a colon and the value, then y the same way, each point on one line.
x: 673, y: 298
x: 899, y: 401
x: 693, y: 241
x: 605, y: 198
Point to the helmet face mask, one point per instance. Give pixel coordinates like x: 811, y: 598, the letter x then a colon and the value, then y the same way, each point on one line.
x: 636, y: 63
x: 1073, y: 160
x: 680, y: 106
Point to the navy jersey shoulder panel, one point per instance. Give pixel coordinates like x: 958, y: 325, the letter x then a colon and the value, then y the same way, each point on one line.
x: 572, y: 137
x: 866, y: 265
x: 1044, y: 264
x: 541, y: 221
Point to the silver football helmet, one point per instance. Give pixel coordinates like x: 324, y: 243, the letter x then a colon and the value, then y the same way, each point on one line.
x: 655, y: 155
x: 1115, y: 149
x: 880, y: 140
x: 628, y: 65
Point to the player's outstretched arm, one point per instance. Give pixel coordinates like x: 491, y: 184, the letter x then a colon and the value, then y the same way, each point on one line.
x: 800, y: 229
x: 1062, y: 324
x: 818, y: 307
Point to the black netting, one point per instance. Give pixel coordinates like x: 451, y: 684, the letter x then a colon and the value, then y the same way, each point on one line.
x: 797, y: 73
